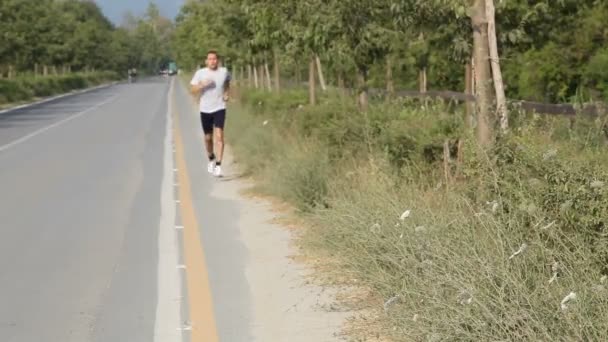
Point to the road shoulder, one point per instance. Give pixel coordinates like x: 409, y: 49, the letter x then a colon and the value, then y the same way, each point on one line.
x: 287, y: 305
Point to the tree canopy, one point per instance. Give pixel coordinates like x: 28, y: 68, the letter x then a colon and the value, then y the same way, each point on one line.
x: 550, y: 50
x: 75, y: 33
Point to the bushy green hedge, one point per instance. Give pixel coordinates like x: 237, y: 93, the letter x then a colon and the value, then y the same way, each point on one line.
x: 29, y: 87
x: 514, y: 251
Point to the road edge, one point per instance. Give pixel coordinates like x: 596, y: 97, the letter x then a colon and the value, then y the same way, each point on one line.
x: 168, y: 306
x: 57, y: 97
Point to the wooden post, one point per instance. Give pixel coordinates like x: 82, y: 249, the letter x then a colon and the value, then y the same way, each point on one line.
x: 483, y: 77
x: 320, y: 71
x: 362, y: 84
x: 277, y: 71
x: 261, y: 77
x: 341, y: 85
x: 256, y: 82
x: 468, y: 85
x: 501, y: 100
x: 390, y: 85
x: 267, y: 72
x: 249, y: 75
x: 447, y: 173
x: 422, y: 80
x: 312, y: 96
x: 459, y: 159
x: 298, y: 74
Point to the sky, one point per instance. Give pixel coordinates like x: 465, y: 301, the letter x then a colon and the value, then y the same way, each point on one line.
x: 115, y: 9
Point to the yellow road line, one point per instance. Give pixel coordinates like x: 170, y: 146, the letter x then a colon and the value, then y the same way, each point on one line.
x: 200, y: 300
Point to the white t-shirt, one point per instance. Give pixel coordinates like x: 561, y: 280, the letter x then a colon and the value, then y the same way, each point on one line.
x: 212, y: 97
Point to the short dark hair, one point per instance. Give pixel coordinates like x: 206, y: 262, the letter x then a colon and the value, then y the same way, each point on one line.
x: 213, y: 52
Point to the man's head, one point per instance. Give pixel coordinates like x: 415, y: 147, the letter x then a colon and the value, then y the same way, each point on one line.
x: 212, y: 60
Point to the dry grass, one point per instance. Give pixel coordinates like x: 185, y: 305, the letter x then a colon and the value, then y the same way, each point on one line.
x: 517, y: 251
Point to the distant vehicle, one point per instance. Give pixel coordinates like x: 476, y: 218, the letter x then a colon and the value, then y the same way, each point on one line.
x: 172, y: 68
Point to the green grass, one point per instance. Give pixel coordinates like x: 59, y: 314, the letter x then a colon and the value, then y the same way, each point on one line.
x: 29, y: 87
x: 449, y: 271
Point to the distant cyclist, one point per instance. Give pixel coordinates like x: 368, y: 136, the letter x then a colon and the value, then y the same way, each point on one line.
x: 212, y: 85
x: 132, y: 74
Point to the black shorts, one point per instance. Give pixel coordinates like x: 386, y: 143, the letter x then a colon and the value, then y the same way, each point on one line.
x: 211, y: 120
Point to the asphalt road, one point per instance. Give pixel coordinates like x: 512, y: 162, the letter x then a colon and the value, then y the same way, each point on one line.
x: 112, y: 230
x: 89, y: 249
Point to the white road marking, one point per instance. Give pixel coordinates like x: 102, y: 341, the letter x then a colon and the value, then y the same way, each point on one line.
x: 168, y: 309
x: 56, y: 124
x: 185, y: 327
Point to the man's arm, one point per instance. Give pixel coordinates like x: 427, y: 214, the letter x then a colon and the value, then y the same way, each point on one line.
x: 195, y: 84
x: 196, y: 89
x: 227, y: 87
x: 198, y: 85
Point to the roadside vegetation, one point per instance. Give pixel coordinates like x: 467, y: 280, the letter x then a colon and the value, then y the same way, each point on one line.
x: 513, y: 249
x: 465, y: 222
x: 24, y: 88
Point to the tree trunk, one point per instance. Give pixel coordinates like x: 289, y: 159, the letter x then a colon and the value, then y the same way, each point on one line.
x: 447, y: 168
x: 36, y: 70
x: 277, y: 72
x: 249, y: 75
x: 312, y: 96
x: 267, y: 72
x: 11, y: 72
x: 501, y: 100
x: 422, y: 80
x: 320, y: 71
x: 483, y: 77
x: 362, y: 84
x: 390, y: 85
x: 256, y: 82
x: 459, y: 159
x: 341, y: 85
x: 45, y: 70
x: 261, y: 76
x: 298, y: 74
x: 468, y: 84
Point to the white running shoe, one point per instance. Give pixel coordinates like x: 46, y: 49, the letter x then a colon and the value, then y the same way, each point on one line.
x: 211, y: 166
x: 217, y: 172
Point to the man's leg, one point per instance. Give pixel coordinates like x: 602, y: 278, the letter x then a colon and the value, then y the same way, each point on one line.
x: 218, y: 122
x: 207, y: 123
x: 209, y: 146
x: 219, y: 142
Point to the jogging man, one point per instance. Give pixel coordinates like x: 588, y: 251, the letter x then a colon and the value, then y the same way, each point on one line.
x: 212, y: 85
